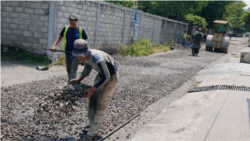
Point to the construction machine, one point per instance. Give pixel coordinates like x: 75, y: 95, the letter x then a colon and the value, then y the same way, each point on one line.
x: 218, y: 41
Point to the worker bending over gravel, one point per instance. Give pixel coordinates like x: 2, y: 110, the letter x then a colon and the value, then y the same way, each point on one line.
x: 105, y: 82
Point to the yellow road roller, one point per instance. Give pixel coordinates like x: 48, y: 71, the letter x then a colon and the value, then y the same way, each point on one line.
x: 218, y: 41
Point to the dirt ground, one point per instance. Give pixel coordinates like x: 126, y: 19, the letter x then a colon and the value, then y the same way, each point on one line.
x: 143, y: 81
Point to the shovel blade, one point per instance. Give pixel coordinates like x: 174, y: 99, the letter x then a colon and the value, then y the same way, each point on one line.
x: 42, y: 68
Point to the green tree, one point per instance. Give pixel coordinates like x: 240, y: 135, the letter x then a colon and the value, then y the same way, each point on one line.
x: 178, y: 10
x: 196, y: 20
x: 233, y: 14
x: 129, y: 3
x: 172, y: 9
x: 234, y: 9
x: 214, y: 11
x: 246, y: 19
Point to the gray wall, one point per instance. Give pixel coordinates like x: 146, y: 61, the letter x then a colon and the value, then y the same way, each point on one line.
x: 35, y: 25
x: 25, y: 25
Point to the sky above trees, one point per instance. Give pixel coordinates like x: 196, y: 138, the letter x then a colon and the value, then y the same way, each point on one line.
x: 248, y: 4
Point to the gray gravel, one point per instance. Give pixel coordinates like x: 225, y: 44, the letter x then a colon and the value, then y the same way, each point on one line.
x: 47, y: 110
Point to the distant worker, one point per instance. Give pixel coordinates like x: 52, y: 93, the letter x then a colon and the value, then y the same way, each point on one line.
x: 198, y: 39
x: 69, y: 34
x: 205, y: 37
x: 184, y: 37
x: 194, y: 34
x: 222, y: 29
x: 230, y: 33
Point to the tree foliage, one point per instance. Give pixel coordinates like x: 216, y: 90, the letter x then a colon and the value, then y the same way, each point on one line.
x: 233, y: 14
x: 246, y: 19
x: 234, y: 9
x: 178, y: 10
x: 129, y: 3
x: 196, y: 20
x: 172, y: 9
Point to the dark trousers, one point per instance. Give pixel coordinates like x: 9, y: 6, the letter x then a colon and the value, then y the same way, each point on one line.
x: 71, y: 66
x: 195, y: 50
x: 184, y: 43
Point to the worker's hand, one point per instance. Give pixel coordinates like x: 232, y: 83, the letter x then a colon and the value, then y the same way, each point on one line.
x: 74, y: 81
x: 53, y: 49
x: 90, y: 91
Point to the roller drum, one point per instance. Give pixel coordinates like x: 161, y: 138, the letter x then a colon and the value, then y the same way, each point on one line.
x: 225, y: 42
x: 209, y: 40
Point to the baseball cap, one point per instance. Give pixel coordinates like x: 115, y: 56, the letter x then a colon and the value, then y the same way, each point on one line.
x: 73, y: 16
x: 81, y: 48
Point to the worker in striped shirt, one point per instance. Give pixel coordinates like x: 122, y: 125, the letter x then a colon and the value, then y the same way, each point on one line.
x: 105, y: 82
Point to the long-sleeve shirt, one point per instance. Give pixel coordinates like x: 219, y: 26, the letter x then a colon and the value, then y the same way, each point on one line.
x: 102, y: 63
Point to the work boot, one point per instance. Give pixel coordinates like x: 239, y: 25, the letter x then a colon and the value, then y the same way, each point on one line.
x: 87, y: 138
x: 86, y: 127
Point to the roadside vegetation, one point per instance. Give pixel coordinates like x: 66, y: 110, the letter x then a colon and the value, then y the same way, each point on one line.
x: 59, y: 61
x: 144, y: 47
x: 24, y: 57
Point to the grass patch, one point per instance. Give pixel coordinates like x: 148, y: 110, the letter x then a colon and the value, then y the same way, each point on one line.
x: 197, y: 83
x: 144, y: 47
x: 25, y: 57
x: 60, y: 61
x: 161, y: 48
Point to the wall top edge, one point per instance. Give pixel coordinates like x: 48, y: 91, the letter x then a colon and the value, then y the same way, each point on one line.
x: 133, y: 10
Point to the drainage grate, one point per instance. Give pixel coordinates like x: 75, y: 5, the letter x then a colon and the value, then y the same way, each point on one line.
x: 220, y: 87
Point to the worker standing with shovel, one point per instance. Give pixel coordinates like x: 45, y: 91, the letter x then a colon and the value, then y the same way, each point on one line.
x: 69, y: 34
x: 105, y: 82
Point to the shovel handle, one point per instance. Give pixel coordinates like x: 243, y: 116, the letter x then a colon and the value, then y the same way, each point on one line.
x: 60, y: 51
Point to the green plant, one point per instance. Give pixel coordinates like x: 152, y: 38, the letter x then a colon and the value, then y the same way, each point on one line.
x: 140, y: 48
x: 196, y: 20
x: 171, y: 43
x: 161, y: 48
x: 143, y: 47
x: 60, y: 61
x: 246, y: 19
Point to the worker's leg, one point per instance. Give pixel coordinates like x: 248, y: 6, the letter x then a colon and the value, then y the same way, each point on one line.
x: 68, y: 64
x: 104, y: 95
x: 183, y: 43
x: 92, y: 108
x: 73, y: 67
x: 93, y: 103
x: 197, y: 50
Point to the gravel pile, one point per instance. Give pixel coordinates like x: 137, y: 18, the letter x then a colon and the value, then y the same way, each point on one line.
x: 48, y: 110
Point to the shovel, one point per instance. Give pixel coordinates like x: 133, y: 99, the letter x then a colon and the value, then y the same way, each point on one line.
x: 42, y: 68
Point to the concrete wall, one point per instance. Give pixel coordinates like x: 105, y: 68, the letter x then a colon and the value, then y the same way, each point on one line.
x: 25, y: 25
x: 129, y: 27
x: 35, y: 25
